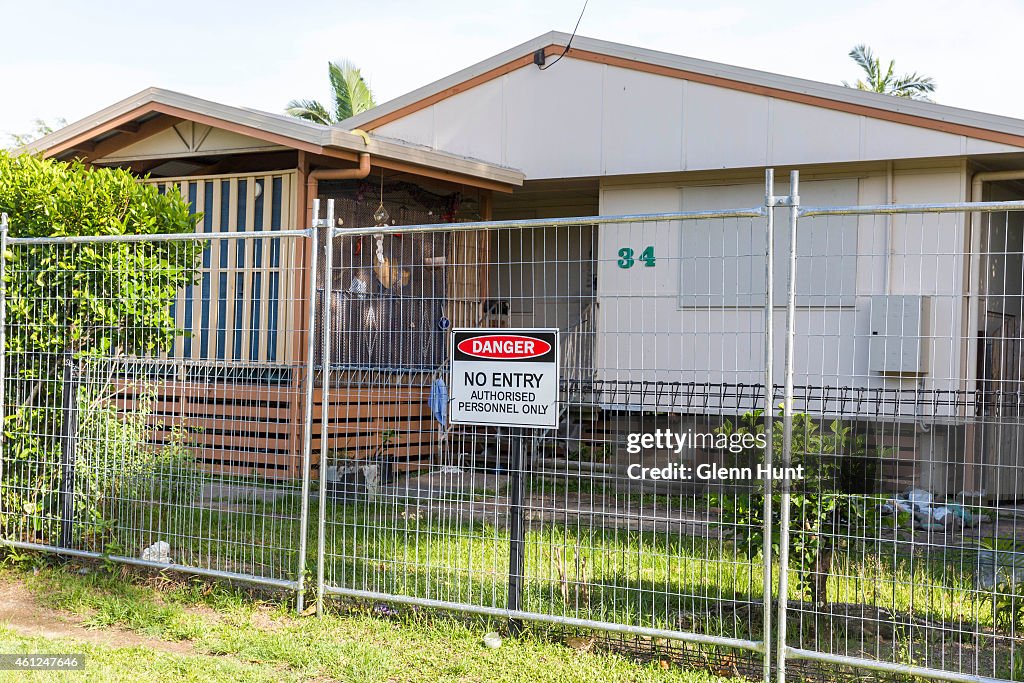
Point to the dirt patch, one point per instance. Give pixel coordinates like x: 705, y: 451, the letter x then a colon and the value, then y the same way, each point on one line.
x: 265, y: 620
x: 22, y: 613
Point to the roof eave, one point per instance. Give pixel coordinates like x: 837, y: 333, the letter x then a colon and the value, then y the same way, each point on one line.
x: 311, y: 136
x: 548, y: 39
x: 426, y: 157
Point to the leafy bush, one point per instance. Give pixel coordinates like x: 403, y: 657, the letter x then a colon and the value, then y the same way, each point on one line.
x: 82, y: 298
x: 78, y: 303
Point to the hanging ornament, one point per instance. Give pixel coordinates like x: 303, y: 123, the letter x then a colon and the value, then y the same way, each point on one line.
x: 381, y: 217
x: 388, y: 275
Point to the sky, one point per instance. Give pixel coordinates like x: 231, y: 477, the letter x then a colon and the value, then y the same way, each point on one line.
x: 70, y: 59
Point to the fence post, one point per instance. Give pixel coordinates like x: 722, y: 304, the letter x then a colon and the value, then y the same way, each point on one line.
x: 307, y: 419
x: 769, y: 412
x: 325, y: 376
x: 787, y: 428
x: 3, y: 336
x: 516, y: 551
x: 68, y: 446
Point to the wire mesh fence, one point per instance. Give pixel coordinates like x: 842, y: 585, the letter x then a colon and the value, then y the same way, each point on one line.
x: 549, y: 524
x: 905, y: 530
x: 193, y: 401
x: 154, y: 390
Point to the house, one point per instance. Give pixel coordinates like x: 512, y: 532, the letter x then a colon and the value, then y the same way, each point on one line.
x: 610, y: 129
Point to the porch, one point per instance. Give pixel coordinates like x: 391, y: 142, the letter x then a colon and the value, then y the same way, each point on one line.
x: 235, y: 386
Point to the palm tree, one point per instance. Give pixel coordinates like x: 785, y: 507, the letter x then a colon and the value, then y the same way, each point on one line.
x: 42, y: 128
x: 352, y: 95
x: 913, y: 86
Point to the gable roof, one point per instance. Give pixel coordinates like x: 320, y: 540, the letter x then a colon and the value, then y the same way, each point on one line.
x: 154, y: 109
x: 990, y: 127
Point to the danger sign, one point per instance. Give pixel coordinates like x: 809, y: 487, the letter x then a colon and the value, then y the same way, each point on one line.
x: 505, y: 378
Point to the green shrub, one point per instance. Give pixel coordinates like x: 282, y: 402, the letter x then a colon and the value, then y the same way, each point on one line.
x: 118, y: 469
x: 816, y: 504
x: 83, y: 298
x: 78, y: 304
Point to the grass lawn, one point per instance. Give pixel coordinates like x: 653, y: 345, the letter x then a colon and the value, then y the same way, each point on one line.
x: 172, y: 629
x: 902, y: 599
x: 437, y: 550
x: 578, y: 567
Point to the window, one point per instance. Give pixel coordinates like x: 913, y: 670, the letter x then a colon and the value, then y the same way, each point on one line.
x: 722, y: 261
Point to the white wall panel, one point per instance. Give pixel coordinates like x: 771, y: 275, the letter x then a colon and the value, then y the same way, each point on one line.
x: 800, y: 133
x: 554, y: 119
x: 723, y: 259
x: 841, y: 264
x: 888, y: 140
x: 581, y: 119
x: 620, y: 201
x: 417, y: 127
x: 465, y: 124
x: 724, y: 128
x: 975, y: 146
x: 635, y: 104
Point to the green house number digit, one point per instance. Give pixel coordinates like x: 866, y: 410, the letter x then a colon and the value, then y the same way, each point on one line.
x: 626, y: 259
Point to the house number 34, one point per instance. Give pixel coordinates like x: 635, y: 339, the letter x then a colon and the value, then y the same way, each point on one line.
x: 626, y: 258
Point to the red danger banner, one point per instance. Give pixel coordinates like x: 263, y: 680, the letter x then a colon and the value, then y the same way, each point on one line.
x: 504, y: 346
x: 505, y: 377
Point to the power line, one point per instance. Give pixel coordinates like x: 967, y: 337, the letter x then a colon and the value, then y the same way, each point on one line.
x: 538, y: 56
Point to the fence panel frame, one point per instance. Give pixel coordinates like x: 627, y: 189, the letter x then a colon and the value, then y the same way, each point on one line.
x: 762, y: 646
x: 302, y: 238
x: 971, y: 212
x: 773, y: 645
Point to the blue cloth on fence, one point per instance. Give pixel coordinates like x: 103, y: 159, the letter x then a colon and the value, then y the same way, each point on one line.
x: 439, y: 401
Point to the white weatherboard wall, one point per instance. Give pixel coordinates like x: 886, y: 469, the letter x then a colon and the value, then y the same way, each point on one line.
x: 697, y: 316
x: 580, y: 118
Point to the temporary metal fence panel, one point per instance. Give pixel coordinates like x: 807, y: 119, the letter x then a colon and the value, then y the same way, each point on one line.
x: 123, y: 442
x: 904, y: 388
x: 549, y: 525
